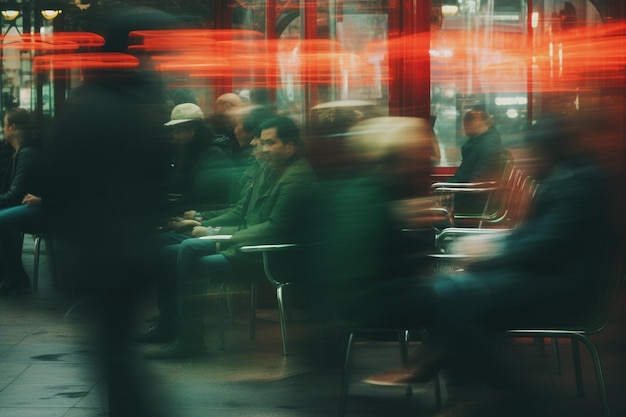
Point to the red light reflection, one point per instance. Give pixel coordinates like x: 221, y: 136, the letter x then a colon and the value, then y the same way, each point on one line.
x: 37, y: 43
x: 85, y: 61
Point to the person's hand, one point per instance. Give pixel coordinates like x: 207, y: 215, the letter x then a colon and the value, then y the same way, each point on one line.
x: 185, y: 224
x: 199, y: 231
x: 189, y: 214
x: 31, y: 200
x: 482, y: 246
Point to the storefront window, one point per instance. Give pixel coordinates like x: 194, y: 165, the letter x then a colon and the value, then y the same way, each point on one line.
x: 494, y: 53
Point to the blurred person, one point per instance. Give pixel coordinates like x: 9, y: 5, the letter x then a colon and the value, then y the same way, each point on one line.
x: 27, y: 172
x: 246, y: 163
x: 6, y: 154
x: 222, y: 119
x: 201, y: 168
x: 244, y: 95
x: 110, y: 164
x: 277, y: 208
x: 179, y: 229
x: 261, y: 97
x: 568, y: 16
x: 545, y: 267
x: 368, y: 260
x: 249, y: 120
x: 227, y: 102
x: 435, y: 154
x: 183, y: 95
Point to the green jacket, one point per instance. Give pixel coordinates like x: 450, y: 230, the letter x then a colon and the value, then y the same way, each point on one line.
x: 276, y: 209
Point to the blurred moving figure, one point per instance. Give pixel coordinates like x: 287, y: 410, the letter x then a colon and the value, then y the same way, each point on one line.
x: 368, y: 261
x: 248, y: 119
x: 201, y: 166
x: 110, y: 166
x: 222, y: 119
x: 545, y: 267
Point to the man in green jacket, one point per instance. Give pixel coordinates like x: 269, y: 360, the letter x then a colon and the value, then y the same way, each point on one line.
x: 275, y: 209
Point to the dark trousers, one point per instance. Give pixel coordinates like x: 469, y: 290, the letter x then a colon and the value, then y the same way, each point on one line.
x: 13, y: 222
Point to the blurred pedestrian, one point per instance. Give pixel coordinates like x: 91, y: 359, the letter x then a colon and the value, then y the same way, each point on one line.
x: 110, y: 166
x: 545, y: 267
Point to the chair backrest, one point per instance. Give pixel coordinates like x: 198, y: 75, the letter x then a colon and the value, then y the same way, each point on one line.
x: 500, y: 203
x: 514, y: 201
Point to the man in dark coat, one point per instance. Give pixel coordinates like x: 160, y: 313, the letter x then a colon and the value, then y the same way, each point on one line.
x: 484, y: 159
x: 483, y: 153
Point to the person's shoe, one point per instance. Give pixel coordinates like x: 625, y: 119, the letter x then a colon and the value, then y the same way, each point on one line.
x: 422, y: 368
x: 176, y: 350
x: 158, y: 332
x: 15, y: 287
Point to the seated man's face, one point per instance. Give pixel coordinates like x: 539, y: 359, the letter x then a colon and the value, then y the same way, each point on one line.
x: 473, y: 127
x: 242, y: 136
x: 478, y: 124
x: 257, y: 149
x: 183, y: 134
x: 274, y: 150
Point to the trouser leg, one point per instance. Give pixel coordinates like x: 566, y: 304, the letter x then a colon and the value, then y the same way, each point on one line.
x: 192, y: 281
x: 11, y: 253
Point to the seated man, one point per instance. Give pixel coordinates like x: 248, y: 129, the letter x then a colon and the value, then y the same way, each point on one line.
x: 27, y: 173
x: 179, y: 229
x: 549, y: 262
x: 484, y: 158
x: 483, y: 154
x: 276, y: 208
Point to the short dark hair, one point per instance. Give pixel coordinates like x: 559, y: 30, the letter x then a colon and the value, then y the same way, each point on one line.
x: 252, y: 121
x: 18, y: 117
x: 476, y: 113
x: 286, y: 129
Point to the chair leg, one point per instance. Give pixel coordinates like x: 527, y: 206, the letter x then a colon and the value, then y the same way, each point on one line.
x: 51, y: 255
x: 283, y: 317
x: 556, y: 356
x: 437, y: 392
x: 580, y: 389
x: 403, y: 338
x: 229, y: 306
x: 345, y: 377
x: 223, y: 303
x: 597, y: 364
x: 37, y: 252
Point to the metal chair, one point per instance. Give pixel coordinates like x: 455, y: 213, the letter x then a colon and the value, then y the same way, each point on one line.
x: 602, y: 302
x: 278, y: 283
x: 403, y: 335
x: 38, y: 239
x: 503, y: 200
x: 270, y: 272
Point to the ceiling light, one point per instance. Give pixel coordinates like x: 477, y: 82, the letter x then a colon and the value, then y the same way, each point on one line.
x: 50, y: 13
x: 10, y: 14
